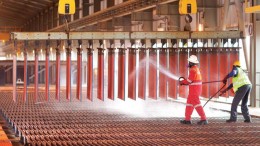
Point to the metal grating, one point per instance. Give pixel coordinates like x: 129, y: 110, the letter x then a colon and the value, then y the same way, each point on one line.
x: 64, y: 123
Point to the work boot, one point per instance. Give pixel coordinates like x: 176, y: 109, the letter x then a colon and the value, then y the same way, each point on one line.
x: 248, y: 121
x: 231, y: 121
x: 203, y: 122
x: 185, y: 122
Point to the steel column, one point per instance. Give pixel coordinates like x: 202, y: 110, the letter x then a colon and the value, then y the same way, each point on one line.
x: 224, y: 15
x: 142, y: 73
x: 183, y: 70
x: 173, y: 68
x: 47, y: 74
x: 162, y: 76
x: 152, y: 81
x: 241, y: 22
x: 121, y: 73
x: 100, y: 88
x: 132, y: 73
x: 90, y: 74
x: 14, y: 72
x: 253, y: 63
x: 68, y: 71
x: 36, y: 71
x: 79, y: 72
x: 111, y: 73
x: 58, y: 70
x: 25, y: 72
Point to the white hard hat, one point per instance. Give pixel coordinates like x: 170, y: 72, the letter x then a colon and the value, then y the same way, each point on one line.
x: 193, y: 59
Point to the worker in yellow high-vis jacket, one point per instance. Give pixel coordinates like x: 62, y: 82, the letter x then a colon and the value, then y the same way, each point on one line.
x: 242, y: 87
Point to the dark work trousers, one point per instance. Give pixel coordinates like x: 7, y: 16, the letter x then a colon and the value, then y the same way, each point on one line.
x: 241, y: 94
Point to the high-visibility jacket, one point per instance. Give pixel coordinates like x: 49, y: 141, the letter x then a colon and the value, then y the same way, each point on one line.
x: 194, y: 81
x: 240, y: 79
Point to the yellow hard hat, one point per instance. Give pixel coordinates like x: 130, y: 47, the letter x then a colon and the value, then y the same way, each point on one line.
x: 236, y: 63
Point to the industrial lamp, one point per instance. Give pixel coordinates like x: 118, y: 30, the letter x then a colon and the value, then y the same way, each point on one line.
x: 66, y: 7
x: 187, y: 6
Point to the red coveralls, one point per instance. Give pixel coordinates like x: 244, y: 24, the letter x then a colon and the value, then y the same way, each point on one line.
x: 195, y: 86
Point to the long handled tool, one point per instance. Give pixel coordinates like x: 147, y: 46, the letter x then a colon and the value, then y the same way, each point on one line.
x: 182, y: 78
x: 212, y: 82
x: 214, y: 94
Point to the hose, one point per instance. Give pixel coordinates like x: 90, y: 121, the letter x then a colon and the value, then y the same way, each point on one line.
x: 215, y: 94
x: 212, y: 82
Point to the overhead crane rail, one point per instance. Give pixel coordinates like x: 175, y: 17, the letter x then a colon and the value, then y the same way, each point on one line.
x: 119, y: 10
x: 125, y: 35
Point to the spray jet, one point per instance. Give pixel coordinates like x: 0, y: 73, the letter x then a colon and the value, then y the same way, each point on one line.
x: 173, y: 76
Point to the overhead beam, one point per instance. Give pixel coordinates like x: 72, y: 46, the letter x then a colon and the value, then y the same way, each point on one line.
x: 119, y: 10
x: 124, y: 35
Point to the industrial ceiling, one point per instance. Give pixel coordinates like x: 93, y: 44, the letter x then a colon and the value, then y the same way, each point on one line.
x: 14, y: 13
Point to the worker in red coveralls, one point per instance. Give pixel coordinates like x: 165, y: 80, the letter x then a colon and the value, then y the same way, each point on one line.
x: 195, y: 86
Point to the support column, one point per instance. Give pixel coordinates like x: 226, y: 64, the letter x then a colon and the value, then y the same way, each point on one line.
x: 162, y: 76
x: 121, y: 73
x: 36, y: 71
x: 254, y: 68
x: 79, y: 71
x: 25, y: 65
x: 47, y: 74
x: 100, y: 88
x: 90, y: 74
x: 241, y: 22
x: 14, y: 72
x: 152, y: 81
x: 173, y: 68
x: 132, y: 73
x: 142, y: 73
x: 111, y: 73
x: 68, y: 71
x: 58, y: 70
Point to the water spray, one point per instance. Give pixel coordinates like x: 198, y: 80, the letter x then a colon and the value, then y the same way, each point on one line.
x: 164, y: 70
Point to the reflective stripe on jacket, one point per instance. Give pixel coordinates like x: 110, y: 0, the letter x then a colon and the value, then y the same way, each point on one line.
x: 240, y: 80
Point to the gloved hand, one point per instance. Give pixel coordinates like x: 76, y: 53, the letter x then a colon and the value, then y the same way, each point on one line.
x: 225, y: 80
x: 181, y: 79
x: 223, y: 92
